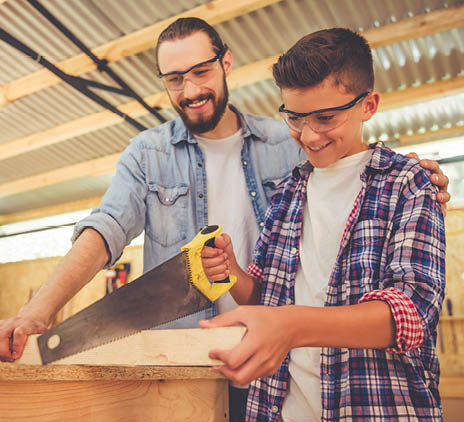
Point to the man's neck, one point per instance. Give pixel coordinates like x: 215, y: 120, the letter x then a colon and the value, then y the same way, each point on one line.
x: 227, y: 126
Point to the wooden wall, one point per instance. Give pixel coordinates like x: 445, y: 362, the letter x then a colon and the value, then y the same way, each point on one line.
x: 451, y: 327
x: 18, y: 280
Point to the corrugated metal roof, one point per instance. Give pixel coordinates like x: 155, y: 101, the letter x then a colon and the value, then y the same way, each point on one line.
x: 252, y: 37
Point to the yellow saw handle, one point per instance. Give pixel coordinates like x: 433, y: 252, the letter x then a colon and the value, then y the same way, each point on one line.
x: 212, y: 290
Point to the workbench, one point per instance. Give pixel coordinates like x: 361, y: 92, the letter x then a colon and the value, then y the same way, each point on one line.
x: 175, y: 385
x: 111, y: 394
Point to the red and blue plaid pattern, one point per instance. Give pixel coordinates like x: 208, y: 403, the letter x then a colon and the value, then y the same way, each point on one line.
x: 393, y: 249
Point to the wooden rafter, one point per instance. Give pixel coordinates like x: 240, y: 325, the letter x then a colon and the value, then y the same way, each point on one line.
x: 404, y: 140
x: 255, y: 71
x: 422, y: 93
x: 239, y: 77
x: 97, y: 167
x: 107, y: 165
x: 214, y: 12
x: 432, y: 135
x: 398, y: 31
x: 83, y: 204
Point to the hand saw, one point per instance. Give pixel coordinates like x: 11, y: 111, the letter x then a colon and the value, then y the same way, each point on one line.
x: 174, y: 289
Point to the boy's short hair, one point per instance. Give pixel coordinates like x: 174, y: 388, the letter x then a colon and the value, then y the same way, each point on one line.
x: 184, y: 27
x: 338, y: 52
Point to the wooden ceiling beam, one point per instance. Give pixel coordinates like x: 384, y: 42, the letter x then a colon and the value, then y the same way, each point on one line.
x: 214, y: 12
x: 431, y: 135
x: 239, y: 77
x: 421, y: 93
x: 91, y: 168
x: 110, y: 163
x: 66, y: 207
x: 79, y: 127
x: 106, y: 165
x: 415, y: 27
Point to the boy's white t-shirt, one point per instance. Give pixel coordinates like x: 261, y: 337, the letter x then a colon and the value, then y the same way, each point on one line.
x: 331, y: 194
x: 229, y: 203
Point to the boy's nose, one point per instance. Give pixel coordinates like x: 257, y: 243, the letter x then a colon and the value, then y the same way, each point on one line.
x: 308, y: 135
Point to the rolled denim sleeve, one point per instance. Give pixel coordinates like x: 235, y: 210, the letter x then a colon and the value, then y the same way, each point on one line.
x: 121, y: 214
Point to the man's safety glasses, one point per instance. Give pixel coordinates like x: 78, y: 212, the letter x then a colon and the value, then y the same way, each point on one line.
x: 197, y: 74
x: 319, y: 120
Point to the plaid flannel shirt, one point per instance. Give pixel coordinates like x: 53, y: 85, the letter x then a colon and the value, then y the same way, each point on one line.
x: 393, y: 249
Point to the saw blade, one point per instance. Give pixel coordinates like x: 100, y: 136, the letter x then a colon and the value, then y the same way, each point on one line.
x: 161, y: 295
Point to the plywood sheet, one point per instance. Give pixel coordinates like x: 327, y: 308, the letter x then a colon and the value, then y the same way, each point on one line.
x: 187, y: 347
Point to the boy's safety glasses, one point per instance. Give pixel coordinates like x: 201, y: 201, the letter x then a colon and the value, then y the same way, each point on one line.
x: 197, y: 74
x: 319, y: 120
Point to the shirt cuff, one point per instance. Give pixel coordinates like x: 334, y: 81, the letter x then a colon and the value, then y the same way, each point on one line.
x: 255, y: 271
x: 409, y: 330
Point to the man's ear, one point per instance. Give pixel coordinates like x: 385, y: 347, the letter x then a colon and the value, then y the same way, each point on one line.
x: 227, y: 62
x: 370, y: 105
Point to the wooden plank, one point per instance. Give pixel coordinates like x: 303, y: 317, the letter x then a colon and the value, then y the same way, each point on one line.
x: 186, y: 347
x: 114, y: 401
x: 32, y: 373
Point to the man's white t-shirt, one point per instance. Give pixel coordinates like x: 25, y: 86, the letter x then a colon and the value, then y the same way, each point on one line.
x: 229, y: 203
x: 331, y: 193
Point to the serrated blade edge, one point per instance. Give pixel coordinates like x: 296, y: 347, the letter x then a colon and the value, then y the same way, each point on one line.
x: 161, y: 295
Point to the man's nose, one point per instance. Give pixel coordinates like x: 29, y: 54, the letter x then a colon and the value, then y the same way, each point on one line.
x: 191, y: 90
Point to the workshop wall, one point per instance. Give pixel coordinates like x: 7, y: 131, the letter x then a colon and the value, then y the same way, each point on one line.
x: 450, y: 345
x: 19, y: 280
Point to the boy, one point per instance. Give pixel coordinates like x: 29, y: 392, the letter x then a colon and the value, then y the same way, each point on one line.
x: 350, y: 263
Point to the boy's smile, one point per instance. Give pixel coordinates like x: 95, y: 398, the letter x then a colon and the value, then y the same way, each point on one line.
x: 324, y: 148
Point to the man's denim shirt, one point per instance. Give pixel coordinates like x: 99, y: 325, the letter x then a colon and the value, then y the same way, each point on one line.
x: 160, y: 186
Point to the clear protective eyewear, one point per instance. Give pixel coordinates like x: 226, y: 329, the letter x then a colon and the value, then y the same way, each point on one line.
x: 319, y: 120
x: 198, y: 73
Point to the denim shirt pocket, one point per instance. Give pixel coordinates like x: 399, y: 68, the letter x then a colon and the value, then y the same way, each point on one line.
x: 167, y: 213
x: 270, y: 185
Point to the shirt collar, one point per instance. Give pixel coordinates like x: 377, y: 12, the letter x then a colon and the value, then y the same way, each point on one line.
x: 381, y: 159
x: 180, y: 133
x: 379, y: 162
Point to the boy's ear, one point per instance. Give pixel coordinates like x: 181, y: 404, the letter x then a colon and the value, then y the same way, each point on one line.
x: 370, y: 105
x: 227, y: 62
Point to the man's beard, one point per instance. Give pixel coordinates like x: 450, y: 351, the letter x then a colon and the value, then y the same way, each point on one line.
x: 203, y: 125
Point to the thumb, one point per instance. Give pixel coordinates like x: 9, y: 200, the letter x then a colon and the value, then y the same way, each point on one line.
x: 221, y: 240
x: 227, y: 319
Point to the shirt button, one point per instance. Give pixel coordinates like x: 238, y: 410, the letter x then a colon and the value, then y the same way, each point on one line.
x: 253, y: 193
x: 200, y: 165
x: 261, y: 224
x: 245, y: 163
x: 293, y: 251
x: 288, y: 301
x: 274, y: 409
x: 200, y: 196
